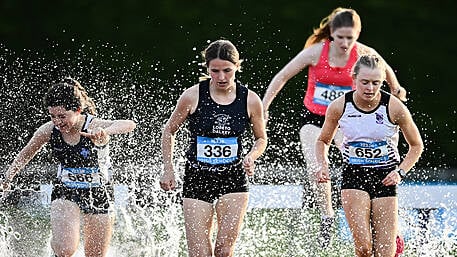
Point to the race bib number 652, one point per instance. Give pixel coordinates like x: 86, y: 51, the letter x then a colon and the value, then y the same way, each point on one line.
x: 368, y: 152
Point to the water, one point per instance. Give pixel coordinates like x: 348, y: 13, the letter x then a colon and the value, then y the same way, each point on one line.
x: 25, y: 228
x: 149, y: 221
x: 158, y: 230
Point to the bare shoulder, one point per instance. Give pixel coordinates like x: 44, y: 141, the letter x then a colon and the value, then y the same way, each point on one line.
x: 253, y: 97
x: 189, y: 95
x: 254, y: 104
x: 364, y: 49
x: 46, y: 127
x: 188, y: 100
x: 336, y: 108
x: 313, y: 52
x: 44, y: 131
x: 398, y: 111
x: 191, y: 90
x: 315, y: 48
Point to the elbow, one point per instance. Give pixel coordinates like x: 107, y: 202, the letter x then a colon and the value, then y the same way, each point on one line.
x: 122, y: 127
x: 420, y: 146
x: 264, y: 142
x: 131, y: 125
x: 322, y: 143
x: 259, y: 148
x: 418, y: 149
x: 261, y: 144
x: 168, y: 132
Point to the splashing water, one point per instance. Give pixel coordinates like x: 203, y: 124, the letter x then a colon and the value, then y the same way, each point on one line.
x: 6, y: 232
x: 149, y: 222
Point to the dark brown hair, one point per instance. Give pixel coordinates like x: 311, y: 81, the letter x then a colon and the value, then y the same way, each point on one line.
x: 221, y: 49
x: 71, y: 95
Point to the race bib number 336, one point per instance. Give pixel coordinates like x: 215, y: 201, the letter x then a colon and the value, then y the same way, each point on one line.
x: 217, y: 150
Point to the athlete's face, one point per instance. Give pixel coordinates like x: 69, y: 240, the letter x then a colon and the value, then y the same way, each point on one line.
x: 344, y: 38
x: 368, y: 82
x: 222, y: 73
x: 64, y: 120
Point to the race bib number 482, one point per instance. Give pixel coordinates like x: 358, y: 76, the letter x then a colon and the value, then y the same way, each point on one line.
x: 217, y: 150
x: 325, y: 94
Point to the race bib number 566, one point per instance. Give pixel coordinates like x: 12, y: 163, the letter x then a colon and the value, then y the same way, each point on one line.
x: 81, y: 177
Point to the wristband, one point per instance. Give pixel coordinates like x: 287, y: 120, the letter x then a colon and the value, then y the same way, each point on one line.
x: 402, y: 173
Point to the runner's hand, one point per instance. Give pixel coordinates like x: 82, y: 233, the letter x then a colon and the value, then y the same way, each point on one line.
x: 167, y: 181
x: 98, y: 136
x: 249, y: 165
x: 392, y: 179
x: 4, y: 185
x: 400, y: 93
x: 322, y: 175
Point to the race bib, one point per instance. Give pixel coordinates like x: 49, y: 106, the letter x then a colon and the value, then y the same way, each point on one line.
x: 217, y: 150
x: 363, y: 153
x: 325, y: 94
x: 81, y: 177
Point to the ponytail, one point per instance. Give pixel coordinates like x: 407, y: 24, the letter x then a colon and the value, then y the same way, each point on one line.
x: 340, y: 17
x: 87, y: 103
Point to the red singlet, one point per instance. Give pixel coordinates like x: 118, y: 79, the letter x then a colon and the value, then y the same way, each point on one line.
x: 326, y: 83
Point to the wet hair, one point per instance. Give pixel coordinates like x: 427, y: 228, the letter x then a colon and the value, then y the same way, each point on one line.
x: 339, y: 18
x: 71, y: 95
x: 370, y: 61
x: 221, y: 49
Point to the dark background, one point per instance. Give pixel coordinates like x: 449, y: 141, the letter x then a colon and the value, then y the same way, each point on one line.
x: 136, y: 57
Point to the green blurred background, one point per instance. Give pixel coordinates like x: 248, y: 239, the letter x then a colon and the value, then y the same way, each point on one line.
x: 136, y: 57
